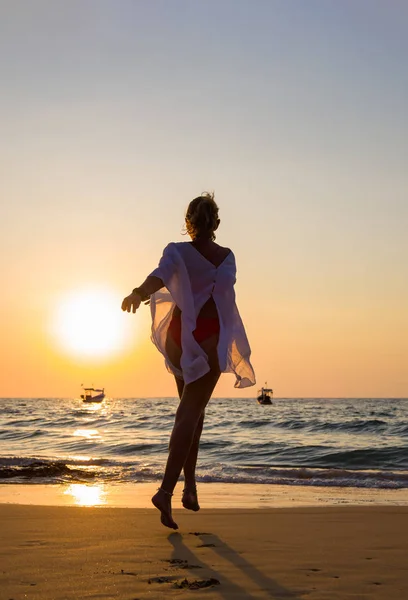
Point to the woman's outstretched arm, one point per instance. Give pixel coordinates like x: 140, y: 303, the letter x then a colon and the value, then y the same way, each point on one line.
x: 142, y: 293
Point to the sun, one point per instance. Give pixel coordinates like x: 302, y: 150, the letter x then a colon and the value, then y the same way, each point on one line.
x: 89, y: 323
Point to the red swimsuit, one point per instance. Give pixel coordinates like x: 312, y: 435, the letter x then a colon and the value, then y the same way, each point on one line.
x: 205, y: 328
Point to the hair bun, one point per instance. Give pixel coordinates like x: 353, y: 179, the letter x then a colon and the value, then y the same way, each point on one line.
x: 202, y: 216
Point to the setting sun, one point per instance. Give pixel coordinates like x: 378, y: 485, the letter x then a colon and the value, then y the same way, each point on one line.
x: 89, y: 323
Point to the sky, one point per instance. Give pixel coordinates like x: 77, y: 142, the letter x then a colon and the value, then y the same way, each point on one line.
x: 114, y: 115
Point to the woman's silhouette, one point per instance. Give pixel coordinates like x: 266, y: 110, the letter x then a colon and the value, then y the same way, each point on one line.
x: 197, y: 327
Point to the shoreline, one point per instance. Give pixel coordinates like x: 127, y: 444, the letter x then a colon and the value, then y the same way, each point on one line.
x: 211, y: 495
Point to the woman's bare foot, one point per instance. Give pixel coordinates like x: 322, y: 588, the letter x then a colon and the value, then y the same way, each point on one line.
x: 189, y: 498
x: 162, y: 501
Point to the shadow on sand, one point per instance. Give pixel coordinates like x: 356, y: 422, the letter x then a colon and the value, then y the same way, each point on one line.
x: 228, y: 588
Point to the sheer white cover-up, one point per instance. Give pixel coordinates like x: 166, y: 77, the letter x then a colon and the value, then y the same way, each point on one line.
x: 190, y: 280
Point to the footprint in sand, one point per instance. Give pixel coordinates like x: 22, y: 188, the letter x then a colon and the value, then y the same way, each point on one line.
x: 161, y: 580
x: 179, y: 563
x: 122, y: 572
x: 206, y: 546
x: 185, y: 583
x: 34, y: 543
x: 197, y: 584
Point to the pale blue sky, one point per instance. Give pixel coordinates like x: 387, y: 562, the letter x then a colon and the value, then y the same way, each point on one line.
x: 115, y: 114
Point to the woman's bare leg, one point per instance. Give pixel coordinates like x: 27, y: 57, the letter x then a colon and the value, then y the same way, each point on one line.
x: 189, y: 466
x: 191, y: 461
x: 193, y: 402
x: 174, y: 354
x: 187, y: 429
x: 180, y: 386
x: 189, y: 413
x: 189, y: 498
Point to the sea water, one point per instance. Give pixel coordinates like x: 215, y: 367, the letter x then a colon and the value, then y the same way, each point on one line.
x: 308, y: 442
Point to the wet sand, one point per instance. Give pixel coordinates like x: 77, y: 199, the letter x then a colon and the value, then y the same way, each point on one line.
x: 329, y: 552
x: 212, y: 495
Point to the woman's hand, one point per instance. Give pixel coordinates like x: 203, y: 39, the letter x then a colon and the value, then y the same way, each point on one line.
x: 132, y: 302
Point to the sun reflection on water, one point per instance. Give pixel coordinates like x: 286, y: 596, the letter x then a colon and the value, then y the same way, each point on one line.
x: 89, y: 434
x: 103, y: 407
x: 87, y: 495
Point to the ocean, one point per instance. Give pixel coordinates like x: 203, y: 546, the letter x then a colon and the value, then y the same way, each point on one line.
x: 349, y: 442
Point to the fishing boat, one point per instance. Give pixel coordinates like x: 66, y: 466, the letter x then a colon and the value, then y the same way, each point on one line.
x: 265, y: 395
x: 93, y: 394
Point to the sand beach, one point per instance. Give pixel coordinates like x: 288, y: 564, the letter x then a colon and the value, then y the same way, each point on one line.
x: 315, y: 552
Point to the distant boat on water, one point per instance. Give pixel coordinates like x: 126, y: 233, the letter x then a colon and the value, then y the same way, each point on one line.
x: 92, y: 394
x: 265, y: 395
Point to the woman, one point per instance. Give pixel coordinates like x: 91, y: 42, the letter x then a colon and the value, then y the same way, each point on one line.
x: 197, y: 327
